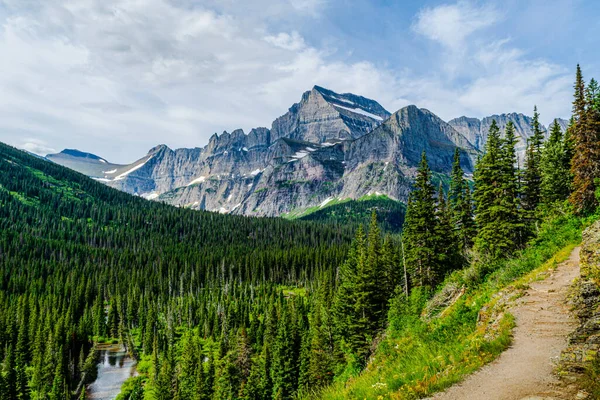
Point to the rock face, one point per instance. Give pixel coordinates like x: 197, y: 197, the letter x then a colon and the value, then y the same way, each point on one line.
x: 476, y: 130
x: 327, y: 146
x: 86, y: 163
x: 323, y: 115
x: 584, y: 342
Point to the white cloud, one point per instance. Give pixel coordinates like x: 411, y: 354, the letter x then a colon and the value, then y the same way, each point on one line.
x: 451, y: 24
x: 308, y: 6
x: 479, y: 74
x: 112, y: 76
x: 116, y: 77
x: 292, y: 42
x: 36, y: 146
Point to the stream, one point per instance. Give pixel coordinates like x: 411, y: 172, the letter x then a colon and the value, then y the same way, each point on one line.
x: 114, y: 368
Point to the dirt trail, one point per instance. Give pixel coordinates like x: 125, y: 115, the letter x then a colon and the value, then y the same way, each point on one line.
x: 525, y: 370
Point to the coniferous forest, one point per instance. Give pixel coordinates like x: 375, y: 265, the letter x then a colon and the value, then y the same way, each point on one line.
x: 225, y: 307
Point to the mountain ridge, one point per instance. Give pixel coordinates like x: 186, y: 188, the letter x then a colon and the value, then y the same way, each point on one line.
x: 326, y: 146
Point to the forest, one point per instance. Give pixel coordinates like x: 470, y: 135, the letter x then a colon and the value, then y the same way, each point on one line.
x: 225, y: 307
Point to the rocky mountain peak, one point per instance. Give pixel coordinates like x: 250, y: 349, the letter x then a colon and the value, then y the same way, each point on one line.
x: 353, y: 102
x: 476, y: 130
x: 161, y: 148
x: 78, y: 154
x: 328, y: 145
x: 323, y: 115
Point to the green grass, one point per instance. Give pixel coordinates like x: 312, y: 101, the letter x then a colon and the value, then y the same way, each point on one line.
x: 390, y: 212
x: 304, y: 212
x: 419, y: 356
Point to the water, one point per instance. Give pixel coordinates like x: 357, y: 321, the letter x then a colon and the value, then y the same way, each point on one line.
x: 114, y: 368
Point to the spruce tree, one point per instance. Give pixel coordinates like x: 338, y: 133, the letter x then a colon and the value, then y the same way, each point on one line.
x: 10, y: 374
x: 461, y: 207
x: 446, y: 240
x: 556, y: 175
x: 369, y: 301
x: 584, y: 165
x: 419, y: 231
x: 345, y: 316
x: 495, y: 196
x: 532, y: 175
x: 284, y: 363
x: 510, y: 200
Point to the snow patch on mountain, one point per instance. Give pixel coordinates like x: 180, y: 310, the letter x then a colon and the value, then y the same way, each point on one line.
x: 140, y: 165
x: 360, y: 111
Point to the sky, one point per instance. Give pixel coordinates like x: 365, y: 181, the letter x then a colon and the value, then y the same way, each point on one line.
x: 117, y: 77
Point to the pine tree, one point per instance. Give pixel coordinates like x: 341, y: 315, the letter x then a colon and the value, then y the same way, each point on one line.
x: 188, y: 365
x: 345, y: 315
x: 390, y: 266
x: 584, y: 165
x: 510, y: 200
x: 446, y: 240
x: 532, y: 175
x: 419, y: 231
x: 556, y: 175
x: 266, y: 383
x: 461, y: 207
x: 495, y: 196
x: 252, y: 390
x: 369, y: 302
x: 10, y: 374
x: 284, y: 363
x: 320, y: 369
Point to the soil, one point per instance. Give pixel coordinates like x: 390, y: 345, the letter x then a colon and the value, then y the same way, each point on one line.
x: 527, y: 369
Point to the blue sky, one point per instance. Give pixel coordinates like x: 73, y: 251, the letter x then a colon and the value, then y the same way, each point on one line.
x: 116, y: 77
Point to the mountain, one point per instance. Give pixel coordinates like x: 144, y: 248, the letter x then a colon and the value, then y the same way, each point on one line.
x: 323, y: 115
x: 327, y: 147
x: 476, y: 130
x: 86, y: 163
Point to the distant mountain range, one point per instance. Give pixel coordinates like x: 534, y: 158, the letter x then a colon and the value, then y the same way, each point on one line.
x: 327, y: 147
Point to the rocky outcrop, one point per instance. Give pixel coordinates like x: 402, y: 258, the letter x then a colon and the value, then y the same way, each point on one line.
x: 327, y: 146
x: 86, y: 163
x: 584, y: 342
x: 324, y: 115
x: 476, y: 130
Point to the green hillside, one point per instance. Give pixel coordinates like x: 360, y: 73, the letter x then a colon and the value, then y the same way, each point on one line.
x: 390, y: 213
x: 83, y: 262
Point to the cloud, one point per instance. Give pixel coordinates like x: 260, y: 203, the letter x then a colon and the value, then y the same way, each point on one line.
x: 452, y: 24
x: 291, y: 42
x: 480, y: 74
x: 116, y: 77
x: 36, y: 146
x: 308, y: 6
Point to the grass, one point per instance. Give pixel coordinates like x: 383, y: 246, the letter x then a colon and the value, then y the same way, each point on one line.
x: 592, y: 379
x: 303, y: 212
x: 420, y: 356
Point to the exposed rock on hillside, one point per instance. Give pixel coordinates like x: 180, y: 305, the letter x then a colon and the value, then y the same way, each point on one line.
x: 584, y: 342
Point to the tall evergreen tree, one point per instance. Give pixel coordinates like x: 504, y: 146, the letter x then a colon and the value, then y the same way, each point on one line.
x: 446, y: 241
x: 345, y: 314
x: 369, y: 302
x: 461, y: 207
x: 495, y: 196
x: 510, y: 200
x: 532, y: 175
x: 555, y: 166
x: 584, y: 165
x: 284, y: 371
x: 419, y: 232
